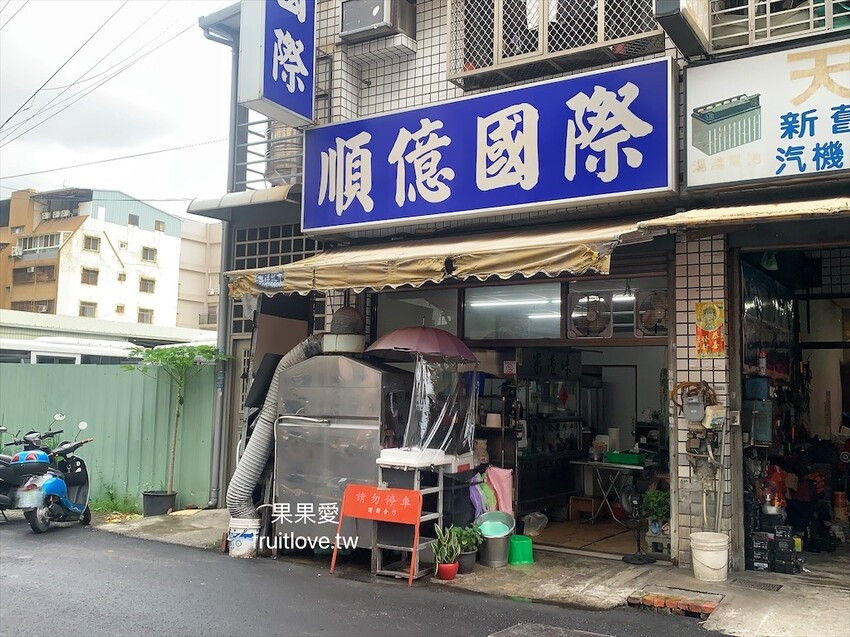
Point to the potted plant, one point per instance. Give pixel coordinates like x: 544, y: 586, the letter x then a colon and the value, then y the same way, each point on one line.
x: 655, y: 506
x: 469, y: 538
x: 180, y: 364
x: 446, y: 551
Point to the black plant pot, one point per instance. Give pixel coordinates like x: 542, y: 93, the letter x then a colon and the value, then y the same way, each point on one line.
x: 466, y: 562
x: 157, y: 502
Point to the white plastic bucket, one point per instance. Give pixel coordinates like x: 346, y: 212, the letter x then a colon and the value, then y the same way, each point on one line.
x: 710, y: 555
x: 242, y: 537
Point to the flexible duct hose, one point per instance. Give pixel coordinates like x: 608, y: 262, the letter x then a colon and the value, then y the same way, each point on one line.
x: 241, y: 488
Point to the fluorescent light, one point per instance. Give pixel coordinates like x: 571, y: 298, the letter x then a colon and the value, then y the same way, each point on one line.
x: 544, y: 316
x: 506, y: 303
x: 616, y: 297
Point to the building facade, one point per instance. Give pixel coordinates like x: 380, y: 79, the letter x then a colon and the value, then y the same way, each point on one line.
x: 90, y: 253
x: 200, y: 274
x: 466, y: 49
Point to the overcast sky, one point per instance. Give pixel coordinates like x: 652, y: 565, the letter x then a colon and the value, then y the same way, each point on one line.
x: 177, y: 95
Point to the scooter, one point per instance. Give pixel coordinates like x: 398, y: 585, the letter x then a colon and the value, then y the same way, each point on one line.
x: 10, y: 478
x: 59, y: 494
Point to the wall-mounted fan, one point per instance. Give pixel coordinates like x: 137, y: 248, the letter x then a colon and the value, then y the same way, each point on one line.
x: 630, y: 501
x: 651, y: 313
x: 591, y: 315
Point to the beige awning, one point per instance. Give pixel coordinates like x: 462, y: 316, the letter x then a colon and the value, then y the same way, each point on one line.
x: 222, y: 208
x: 758, y: 213
x: 547, y: 250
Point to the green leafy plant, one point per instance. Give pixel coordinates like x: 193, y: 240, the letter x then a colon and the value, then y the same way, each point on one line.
x: 112, y: 502
x: 469, y: 538
x: 180, y: 364
x: 655, y: 505
x: 446, y: 546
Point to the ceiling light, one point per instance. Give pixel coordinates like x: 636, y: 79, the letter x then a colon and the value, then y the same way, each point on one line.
x: 505, y: 303
x: 544, y: 316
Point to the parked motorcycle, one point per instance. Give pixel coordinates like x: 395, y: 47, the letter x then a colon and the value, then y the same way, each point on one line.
x: 53, y: 494
x: 10, y: 478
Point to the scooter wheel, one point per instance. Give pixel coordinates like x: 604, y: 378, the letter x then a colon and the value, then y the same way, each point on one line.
x: 85, y: 518
x: 39, y: 523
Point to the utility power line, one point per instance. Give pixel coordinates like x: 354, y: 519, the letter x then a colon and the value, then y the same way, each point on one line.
x: 103, y: 161
x: 12, y: 17
x: 92, y: 67
x: 85, y: 92
x: 56, y: 72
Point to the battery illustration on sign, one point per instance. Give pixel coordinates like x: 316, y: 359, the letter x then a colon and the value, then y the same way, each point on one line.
x: 726, y: 124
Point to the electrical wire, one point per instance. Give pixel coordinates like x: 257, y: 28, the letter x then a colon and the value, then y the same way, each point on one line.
x: 85, y: 92
x: 2, y: 26
x: 92, y: 67
x: 103, y: 161
x: 64, y: 64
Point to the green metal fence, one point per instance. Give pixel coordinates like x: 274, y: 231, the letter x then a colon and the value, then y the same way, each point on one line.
x: 129, y: 415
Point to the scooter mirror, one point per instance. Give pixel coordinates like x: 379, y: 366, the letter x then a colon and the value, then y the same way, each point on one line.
x: 59, y: 417
x: 3, y: 430
x: 83, y: 426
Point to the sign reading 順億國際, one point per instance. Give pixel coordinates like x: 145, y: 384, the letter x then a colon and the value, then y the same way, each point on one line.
x: 772, y: 116
x: 600, y: 136
x: 277, y: 59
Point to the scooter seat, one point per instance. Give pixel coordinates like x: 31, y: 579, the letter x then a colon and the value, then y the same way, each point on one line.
x: 4, y: 459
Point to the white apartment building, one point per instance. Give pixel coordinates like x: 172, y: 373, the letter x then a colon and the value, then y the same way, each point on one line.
x: 200, y: 274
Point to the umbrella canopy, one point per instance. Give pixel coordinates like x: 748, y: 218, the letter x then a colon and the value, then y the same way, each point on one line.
x: 428, y: 341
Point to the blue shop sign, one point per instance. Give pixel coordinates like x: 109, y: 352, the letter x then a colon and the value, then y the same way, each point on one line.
x: 277, y: 59
x: 596, y: 137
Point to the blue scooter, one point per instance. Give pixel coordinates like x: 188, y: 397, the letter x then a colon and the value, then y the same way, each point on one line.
x: 54, y: 494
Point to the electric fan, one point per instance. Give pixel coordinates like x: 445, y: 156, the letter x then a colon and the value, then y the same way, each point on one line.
x: 590, y: 315
x: 651, y: 313
x: 630, y: 501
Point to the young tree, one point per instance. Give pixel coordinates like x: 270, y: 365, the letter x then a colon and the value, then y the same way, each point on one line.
x: 180, y: 363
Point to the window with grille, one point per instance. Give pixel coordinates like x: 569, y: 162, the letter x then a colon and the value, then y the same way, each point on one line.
x: 147, y: 285
x: 89, y: 277
x: 149, y: 254
x: 159, y: 226
x: 33, y: 274
x: 145, y: 316
x: 497, y: 43
x: 40, y: 243
x: 742, y: 23
x: 17, y: 229
x: 92, y: 244
x: 46, y: 306
x: 88, y: 309
x: 132, y: 220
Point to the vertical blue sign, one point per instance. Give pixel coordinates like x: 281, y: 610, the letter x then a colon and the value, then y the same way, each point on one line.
x: 601, y: 136
x: 277, y: 59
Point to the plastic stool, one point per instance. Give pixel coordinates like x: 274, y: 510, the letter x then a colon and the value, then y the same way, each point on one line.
x: 520, y: 550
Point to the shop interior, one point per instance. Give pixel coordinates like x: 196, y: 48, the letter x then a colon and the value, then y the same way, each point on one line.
x: 795, y: 414
x: 556, y: 393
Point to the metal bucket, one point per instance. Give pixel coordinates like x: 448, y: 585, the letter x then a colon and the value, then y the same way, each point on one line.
x: 494, y: 550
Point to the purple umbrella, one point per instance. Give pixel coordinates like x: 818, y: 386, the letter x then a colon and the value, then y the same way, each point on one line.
x: 428, y: 341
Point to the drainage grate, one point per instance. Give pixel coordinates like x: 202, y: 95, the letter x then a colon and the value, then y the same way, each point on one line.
x: 761, y: 586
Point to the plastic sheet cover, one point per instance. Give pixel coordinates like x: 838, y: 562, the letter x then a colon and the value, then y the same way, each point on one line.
x: 443, y: 407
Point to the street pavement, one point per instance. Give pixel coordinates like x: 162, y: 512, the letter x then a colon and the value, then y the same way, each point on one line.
x: 76, y: 580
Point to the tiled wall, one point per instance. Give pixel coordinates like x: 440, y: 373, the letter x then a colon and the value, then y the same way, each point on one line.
x: 700, y: 276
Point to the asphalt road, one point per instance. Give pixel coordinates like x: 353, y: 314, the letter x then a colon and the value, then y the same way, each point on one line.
x: 80, y: 581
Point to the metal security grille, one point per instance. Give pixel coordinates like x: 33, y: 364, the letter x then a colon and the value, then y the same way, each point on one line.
x: 246, y: 374
x: 743, y: 23
x: 494, y: 43
x: 835, y: 273
x: 264, y: 247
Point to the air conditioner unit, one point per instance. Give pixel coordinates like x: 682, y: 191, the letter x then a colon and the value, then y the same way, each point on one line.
x: 17, y: 251
x: 55, y: 214
x: 45, y: 215
x: 65, y: 213
x: 42, y: 308
x: 371, y: 19
x: 212, y: 291
x: 591, y: 315
x: 30, y: 270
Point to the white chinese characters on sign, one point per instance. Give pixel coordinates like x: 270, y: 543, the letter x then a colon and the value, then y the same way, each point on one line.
x: 296, y: 7
x: 346, y: 173
x: 288, y: 64
x: 604, y: 124
x: 506, y: 149
x: 429, y: 180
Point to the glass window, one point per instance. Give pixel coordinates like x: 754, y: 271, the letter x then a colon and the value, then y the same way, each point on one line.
x: 147, y: 285
x: 148, y: 254
x: 159, y: 226
x: 132, y: 220
x: 119, y: 309
x: 434, y: 308
x: 513, y: 312
x: 88, y: 309
x: 145, y: 316
x: 17, y: 229
x: 91, y: 243
x: 122, y: 276
x: 89, y: 277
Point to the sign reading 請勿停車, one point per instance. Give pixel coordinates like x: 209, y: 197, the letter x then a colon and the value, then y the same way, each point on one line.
x: 595, y: 137
x: 767, y: 117
x: 277, y: 59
